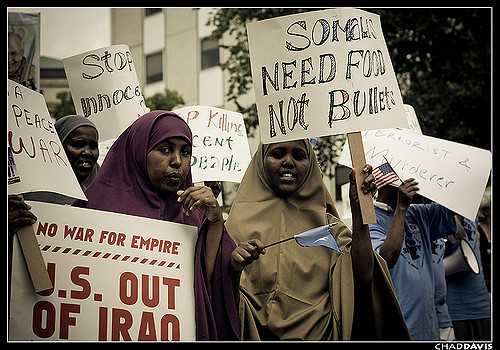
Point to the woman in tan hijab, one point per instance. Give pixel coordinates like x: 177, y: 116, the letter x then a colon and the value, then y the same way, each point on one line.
x: 313, y: 293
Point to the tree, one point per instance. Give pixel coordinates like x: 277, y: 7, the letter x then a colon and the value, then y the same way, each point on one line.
x: 167, y: 101
x: 441, y: 58
x: 65, y: 105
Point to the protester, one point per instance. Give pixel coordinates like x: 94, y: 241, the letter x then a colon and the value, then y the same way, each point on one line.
x: 20, y: 69
x: 311, y: 293
x: 441, y: 307
x: 403, y: 235
x: 147, y: 173
x: 467, y: 296
x: 79, y: 138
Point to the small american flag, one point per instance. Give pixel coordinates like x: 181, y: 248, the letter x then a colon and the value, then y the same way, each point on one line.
x: 384, y: 174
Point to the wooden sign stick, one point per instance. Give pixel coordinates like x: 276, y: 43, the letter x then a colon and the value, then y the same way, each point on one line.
x: 358, y: 162
x: 34, y: 259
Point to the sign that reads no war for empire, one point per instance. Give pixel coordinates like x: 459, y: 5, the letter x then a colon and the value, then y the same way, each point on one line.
x: 105, y: 88
x: 36, y: 155
x: 220, y: 144
x: 115, y: 276
x: 322, y: 73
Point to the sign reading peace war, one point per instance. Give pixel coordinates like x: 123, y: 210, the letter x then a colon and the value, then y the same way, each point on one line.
x: 322, y: 73
x: 449, y: 173
x: 105, y: 89
x: 115, y: 276
x: 220, y: 145
x: 36, y: 155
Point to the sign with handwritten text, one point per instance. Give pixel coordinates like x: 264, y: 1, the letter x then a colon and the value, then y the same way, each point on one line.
x: 322, y: 73
x: 220, y: 144
x: 105, y: 88
x: 411, y: 116
x: 37, y: 160
x: 116, y: 277
x: 449, y: 173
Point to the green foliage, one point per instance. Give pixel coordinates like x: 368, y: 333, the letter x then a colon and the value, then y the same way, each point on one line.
x: 64, y: 107
x: 441, y: 57
x: 167, y: 101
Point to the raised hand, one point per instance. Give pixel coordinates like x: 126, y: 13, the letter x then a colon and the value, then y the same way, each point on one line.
x: 200, y: 197
x: 19, y: 213
x: 407, y: 190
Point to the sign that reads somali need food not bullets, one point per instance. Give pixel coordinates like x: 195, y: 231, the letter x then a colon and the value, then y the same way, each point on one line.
x: 105, y: 89
x: 322, y: 73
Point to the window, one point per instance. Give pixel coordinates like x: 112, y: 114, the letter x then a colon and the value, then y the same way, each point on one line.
x: 209, y: 53
x: 154, y: 67
x: 151, y: 11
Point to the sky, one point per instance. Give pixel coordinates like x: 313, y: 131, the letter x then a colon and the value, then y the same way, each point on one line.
x: 67, y: 32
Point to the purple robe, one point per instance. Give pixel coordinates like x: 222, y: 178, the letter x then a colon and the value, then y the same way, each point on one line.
x: 123, y: 186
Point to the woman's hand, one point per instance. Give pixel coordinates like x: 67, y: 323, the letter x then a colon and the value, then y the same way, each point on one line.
x: 368, y: 185
x: 245, y: 253
x: 19, y: 213
x: 200, y: 197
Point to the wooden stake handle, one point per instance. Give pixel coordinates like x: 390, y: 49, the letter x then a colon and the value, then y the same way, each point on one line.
x: 358, y: 162
x: 34, y: 259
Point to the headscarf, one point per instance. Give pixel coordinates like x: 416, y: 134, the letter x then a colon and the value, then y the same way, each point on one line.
x: 64, y: 127
x: 123, y: 186
x: 298, y: 293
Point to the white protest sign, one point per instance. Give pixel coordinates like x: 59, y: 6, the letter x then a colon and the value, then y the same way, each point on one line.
x: 105, y: 89
x: 220, y: 144
x: 449, y: 173
x: 411, y: 116
x: 322, y: 73
x: 37, y: 160
x: 116, y: 277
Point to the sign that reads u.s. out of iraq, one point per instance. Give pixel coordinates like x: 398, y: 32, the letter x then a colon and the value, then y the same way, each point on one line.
x: 105, y: 88
x: 36, y: 157
x: 220, y: 144
x: 116, y: 277
x: 322, y: 73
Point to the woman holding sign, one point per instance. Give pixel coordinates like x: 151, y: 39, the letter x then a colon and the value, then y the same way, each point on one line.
x: 147, y: 173
x: 313, y: 293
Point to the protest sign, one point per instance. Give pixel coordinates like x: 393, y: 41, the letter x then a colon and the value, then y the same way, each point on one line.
x: 105, y: 88
x: 38, y: 161
x: 411, y: 116
x: 115, y: 276
x: 220, y: 144
x: 449, y: 173
x: 322, y: 73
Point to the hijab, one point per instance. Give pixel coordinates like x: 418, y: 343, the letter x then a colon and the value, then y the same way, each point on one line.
x: 64, y: 127
x: 123, y: 184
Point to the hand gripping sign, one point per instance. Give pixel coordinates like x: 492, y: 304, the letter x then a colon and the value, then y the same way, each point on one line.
x: 116, y: 277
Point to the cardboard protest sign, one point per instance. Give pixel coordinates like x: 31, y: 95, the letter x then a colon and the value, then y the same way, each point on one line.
x: 116, y: 277
x: 38, y: 161
x: 220, y: 144
x: 449, y: 173
x: 105, y: 88
x: 322, y: 73
x: 412, y: 119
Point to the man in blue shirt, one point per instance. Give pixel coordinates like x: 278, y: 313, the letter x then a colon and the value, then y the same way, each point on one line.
x: 467, y: 298
x: 402, y: 236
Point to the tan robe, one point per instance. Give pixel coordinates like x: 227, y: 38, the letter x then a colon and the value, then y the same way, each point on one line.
x: 297, y: 293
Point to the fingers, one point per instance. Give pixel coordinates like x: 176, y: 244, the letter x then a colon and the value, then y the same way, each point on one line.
x: 195, y: 197
x: 17, y: 202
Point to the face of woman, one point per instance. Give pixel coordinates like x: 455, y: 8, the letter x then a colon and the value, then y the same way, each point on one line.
x: 168, y: 164
x: 82, y: 150
x: 285, y: 165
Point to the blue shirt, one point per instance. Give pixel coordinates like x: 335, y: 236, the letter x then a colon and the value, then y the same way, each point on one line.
x: 412, y: 273
x: 467, y: 296
x: 438, y: 248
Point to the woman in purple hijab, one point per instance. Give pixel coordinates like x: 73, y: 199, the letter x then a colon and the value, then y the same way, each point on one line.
x: 147, y: 173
